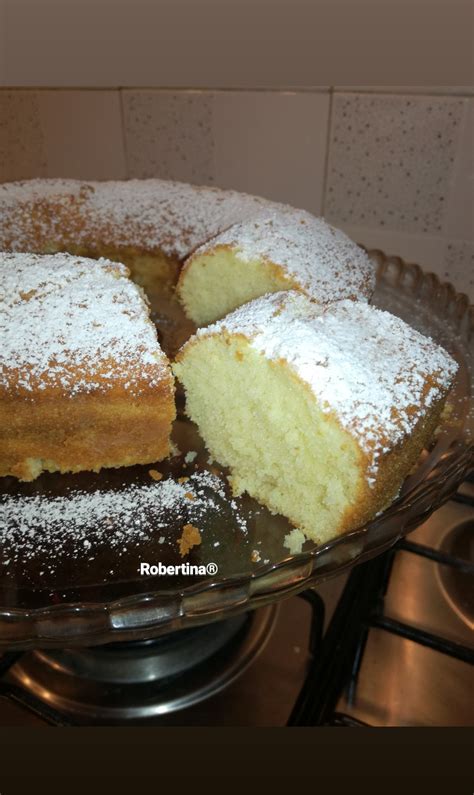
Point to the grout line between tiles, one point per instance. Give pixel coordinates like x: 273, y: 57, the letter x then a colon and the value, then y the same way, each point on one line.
x: 45, y: 165
x: 459, y: 158
x: 124, y: 136
x: 195, y: 89
x: 385, y: 90
x: 326, y: 158
x: 215, y: 159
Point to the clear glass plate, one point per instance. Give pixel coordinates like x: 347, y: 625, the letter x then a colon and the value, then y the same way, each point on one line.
x: 57, y: 598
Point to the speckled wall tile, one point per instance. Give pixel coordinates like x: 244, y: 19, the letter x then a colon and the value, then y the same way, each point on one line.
x: 458, y: 261
x: 391, y: 160
x: 22, y: 152
x: 83, y: 134
x: 424, y: 250
x: 272, y: 144
x: 451, y: 260
x: 459, y: 221
x: 169, y: 134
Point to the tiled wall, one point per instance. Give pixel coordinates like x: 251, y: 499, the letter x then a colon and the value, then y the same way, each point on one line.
x: 391, y: 166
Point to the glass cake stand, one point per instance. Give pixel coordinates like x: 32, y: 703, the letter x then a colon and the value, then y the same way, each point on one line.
x: 59, y: 598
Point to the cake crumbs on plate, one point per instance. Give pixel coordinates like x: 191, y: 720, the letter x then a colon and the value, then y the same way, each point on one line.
x: 294, y: 541
x: 81, y: 524
x: 255, y: 556
x: 190, y: 456
x: 155, y: 474
x: 190, y: 538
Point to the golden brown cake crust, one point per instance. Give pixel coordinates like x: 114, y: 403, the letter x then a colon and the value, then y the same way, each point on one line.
x: 392, y: 471
x: 84, y: 383
x: 85, y: 432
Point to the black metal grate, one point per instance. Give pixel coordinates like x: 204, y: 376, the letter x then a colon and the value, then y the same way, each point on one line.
x: 335, y: 667
x: 33, y: 705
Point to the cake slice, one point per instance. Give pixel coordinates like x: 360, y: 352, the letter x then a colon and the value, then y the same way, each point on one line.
x: 84, y: 383
x: 319, y: 413
x: 281, y: 249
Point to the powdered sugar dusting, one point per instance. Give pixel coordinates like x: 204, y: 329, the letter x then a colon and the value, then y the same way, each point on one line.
x: 74, y: 323
x: 179, y: 219
x: 323, y: 260
x: 369, y: 368
x: 79, y: 523
x: 150, y: 214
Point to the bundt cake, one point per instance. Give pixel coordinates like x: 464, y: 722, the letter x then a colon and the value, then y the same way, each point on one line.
x: 84, y: 383
x: 234, y: 247
x: 318, y: 403
x: 319, y: 412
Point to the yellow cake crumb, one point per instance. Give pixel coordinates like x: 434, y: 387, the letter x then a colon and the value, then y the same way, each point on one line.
x: 294, y: 541
x: 191, y: 537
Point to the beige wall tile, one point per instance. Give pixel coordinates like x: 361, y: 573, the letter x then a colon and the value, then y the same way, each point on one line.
x: 22, y: 151
x: 425, y: 250
x: 458, y: 258
x: 272, y: 144
x: 83, y: 134
x: 269, y: 143
x: 459, y: 221
x: 169, y: 135
x: 451, y: 260
x: 391, y: 160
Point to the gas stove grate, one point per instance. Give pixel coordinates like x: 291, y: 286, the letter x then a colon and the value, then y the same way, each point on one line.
x: 439, y: 557
x: 33, y: 705
x: 341, y: 719
x: 336, y: 662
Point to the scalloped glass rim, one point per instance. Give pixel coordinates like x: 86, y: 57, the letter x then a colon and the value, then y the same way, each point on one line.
x: 441, y: 470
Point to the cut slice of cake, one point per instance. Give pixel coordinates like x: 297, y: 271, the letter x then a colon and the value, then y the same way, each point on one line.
x: 319, y: 413
x: 84, y: 383
x: 278, y: 250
